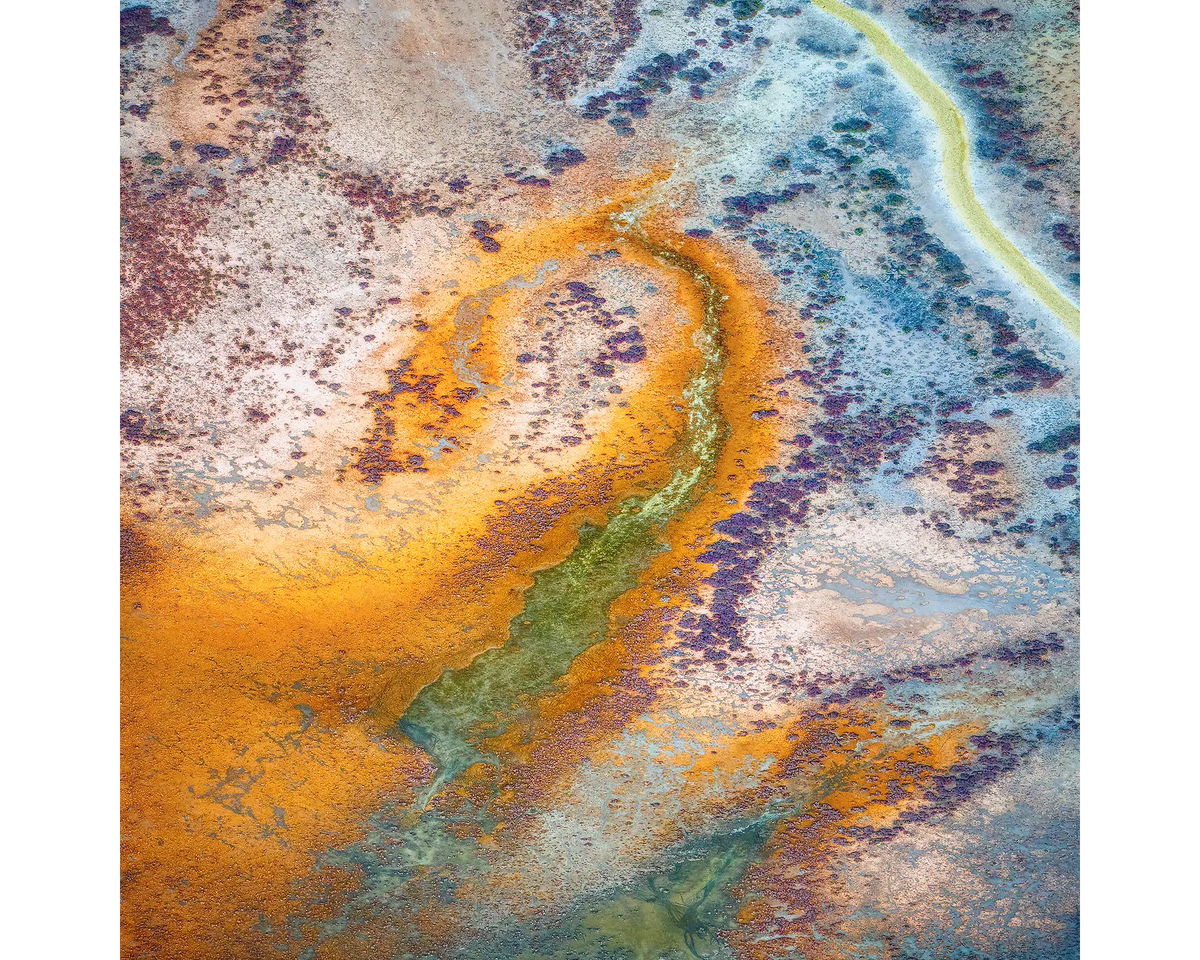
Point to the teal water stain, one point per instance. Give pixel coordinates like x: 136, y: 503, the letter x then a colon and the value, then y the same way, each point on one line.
x: 674, y: 913
x: 566, y: 608
x: 679, y: 909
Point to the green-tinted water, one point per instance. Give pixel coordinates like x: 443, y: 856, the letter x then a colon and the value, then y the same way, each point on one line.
x: 677, y: 911
x: 566, y: 609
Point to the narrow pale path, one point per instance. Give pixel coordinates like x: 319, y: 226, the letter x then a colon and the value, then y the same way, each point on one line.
x: 956, y: 164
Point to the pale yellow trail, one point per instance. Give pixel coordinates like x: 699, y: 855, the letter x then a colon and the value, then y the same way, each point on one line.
x: 956, y: 164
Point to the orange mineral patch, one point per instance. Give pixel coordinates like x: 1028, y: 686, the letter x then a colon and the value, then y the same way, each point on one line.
x: 266, y: 654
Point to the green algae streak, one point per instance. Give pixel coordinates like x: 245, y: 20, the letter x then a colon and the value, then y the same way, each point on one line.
x: 956, y: 164
x: 566, y: 608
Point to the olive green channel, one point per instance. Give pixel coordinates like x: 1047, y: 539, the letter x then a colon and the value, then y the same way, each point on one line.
x: 566, y: 608
x: 956, y: 164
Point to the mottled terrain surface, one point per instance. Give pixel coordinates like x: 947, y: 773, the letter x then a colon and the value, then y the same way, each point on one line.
x: 594, y: 484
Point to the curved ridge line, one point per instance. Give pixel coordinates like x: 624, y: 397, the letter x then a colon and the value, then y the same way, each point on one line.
x: 956, y: 164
